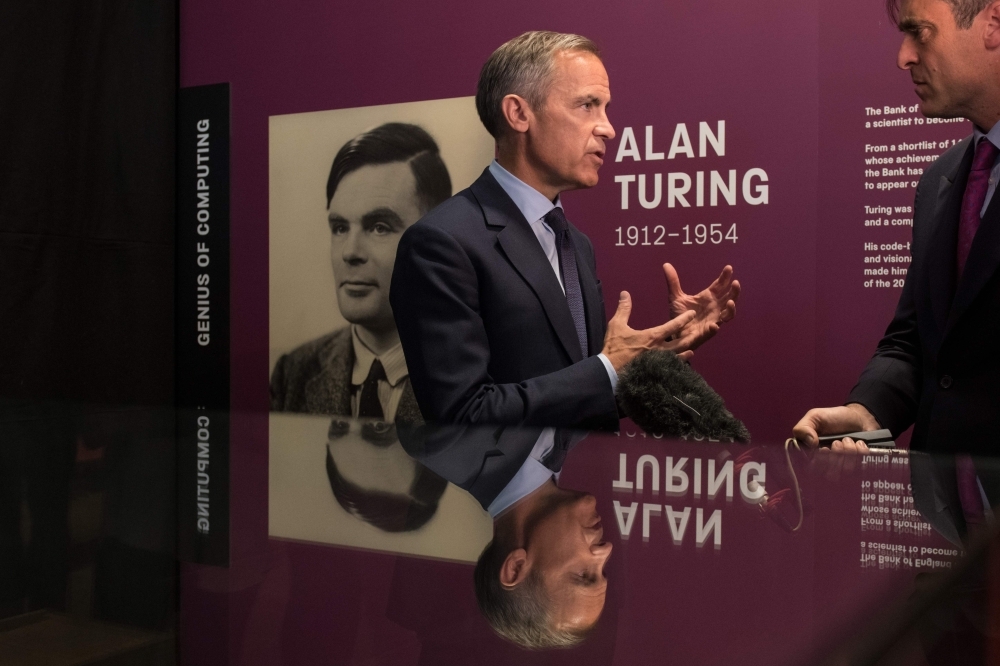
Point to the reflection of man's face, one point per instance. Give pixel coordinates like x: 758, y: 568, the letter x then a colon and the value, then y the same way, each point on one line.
x: 944, y: 60
x: 566, y: 548
x: 573, y: 124
x: 369, y: 455
x: 369, y: 211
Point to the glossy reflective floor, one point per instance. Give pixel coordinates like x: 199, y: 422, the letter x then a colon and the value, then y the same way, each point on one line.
x: 87, y: 540
x: 630, y: 548
x: 599, y: 549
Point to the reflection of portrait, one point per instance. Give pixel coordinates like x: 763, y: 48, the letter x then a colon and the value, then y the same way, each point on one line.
x: 381, y: 182
x: 350, y: 483
x: 374, y: 480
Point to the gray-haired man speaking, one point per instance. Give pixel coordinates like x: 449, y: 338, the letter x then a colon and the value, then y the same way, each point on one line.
x: 500, y: 314
x: 495, y: 294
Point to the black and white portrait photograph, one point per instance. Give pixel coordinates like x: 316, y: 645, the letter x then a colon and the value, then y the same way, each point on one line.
x: 343, y: 187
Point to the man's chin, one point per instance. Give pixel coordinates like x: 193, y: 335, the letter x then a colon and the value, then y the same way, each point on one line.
x: 587, y: 180
x: 364, y: 317
x: 932, y: 107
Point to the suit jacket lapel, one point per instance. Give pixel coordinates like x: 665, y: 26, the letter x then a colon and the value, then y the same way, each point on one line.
x: 329, y: 392
x: 524, y: 252
x: 984, y: 258
x: 940, y: 251
x: 512, y: 448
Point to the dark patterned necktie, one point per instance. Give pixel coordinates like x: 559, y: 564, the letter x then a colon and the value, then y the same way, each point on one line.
x: 570, y: 277
x: 560, y: 449
x: 369, y: 406
x: 974, y: 198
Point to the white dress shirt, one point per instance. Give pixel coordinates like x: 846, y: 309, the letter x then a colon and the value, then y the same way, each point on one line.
x: 389, y: 392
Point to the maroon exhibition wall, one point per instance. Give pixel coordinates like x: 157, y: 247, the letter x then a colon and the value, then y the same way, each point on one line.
x: 804, y: 90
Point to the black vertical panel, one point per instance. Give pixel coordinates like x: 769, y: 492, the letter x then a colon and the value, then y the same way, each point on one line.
x: 202, y: 323
x: 87, y: 143
x: 87, y: 203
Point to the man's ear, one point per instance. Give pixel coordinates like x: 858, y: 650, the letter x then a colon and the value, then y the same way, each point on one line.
x: 991, y: 36
x: 517, y: 113
x: 515, y: 568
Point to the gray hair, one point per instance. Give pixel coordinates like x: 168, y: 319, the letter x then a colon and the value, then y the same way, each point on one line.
x: 520, y: 614
x: 523, y: 67
x: 964, y: 11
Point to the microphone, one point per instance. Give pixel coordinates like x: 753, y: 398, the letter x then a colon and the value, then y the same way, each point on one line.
x: 664, y: 395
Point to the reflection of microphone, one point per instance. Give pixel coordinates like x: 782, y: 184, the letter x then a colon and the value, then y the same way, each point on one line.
x: 664, y: 395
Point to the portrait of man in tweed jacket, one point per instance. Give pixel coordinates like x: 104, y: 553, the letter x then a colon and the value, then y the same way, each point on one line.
x: 380, y: 183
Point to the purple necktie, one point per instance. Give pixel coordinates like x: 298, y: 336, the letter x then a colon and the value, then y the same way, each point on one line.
x: 570, y: 277
x: 968, y: 225
x: 972, y: 201
x: 968, y: 492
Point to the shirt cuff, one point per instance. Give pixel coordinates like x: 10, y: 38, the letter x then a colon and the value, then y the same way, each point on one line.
x: 612, y: 375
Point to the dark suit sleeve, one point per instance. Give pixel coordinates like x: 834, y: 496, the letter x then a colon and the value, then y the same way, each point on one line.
x: 889, y: 386
x: 435, y: 301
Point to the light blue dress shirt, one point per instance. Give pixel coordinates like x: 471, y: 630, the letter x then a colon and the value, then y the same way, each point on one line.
x: 532, y: 475
x: 993, y: 136
x: 535, y: 206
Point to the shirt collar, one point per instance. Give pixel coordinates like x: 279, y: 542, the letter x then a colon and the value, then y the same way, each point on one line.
x: 993, y: 135
x: 392, y: 360
x: 533, y: 204
x: 529, y: 478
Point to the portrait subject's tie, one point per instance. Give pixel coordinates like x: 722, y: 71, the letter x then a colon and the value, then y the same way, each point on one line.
x: 570, y: 276
x: 973, y: 199
x: 369, y: 406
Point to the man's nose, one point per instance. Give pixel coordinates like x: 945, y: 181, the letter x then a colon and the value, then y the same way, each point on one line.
x: 601, y: 551
x: 604, y: 129
x: 354, y: 251
x: 907, y: 56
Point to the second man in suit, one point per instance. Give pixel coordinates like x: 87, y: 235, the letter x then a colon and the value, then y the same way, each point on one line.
x: 937, y: 366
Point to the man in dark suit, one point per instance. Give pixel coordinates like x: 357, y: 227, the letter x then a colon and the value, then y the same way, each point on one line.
x: 937, y: 366
x: 380, y: 183
x: 496, y: 295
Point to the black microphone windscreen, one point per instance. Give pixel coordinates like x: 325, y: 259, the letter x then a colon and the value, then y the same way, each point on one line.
x: 664, y: 395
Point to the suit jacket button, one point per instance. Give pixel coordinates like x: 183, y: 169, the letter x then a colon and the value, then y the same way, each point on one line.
x: 945, y: 381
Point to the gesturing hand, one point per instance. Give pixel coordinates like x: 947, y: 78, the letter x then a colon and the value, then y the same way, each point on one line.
x: 712, y: 307
x: 622, y: 343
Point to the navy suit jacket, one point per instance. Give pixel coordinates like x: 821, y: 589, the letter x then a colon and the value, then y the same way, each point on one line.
x: 485, y: 326
x: 478, y: 459
x: 938, y: 366
x: 481, y: 460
